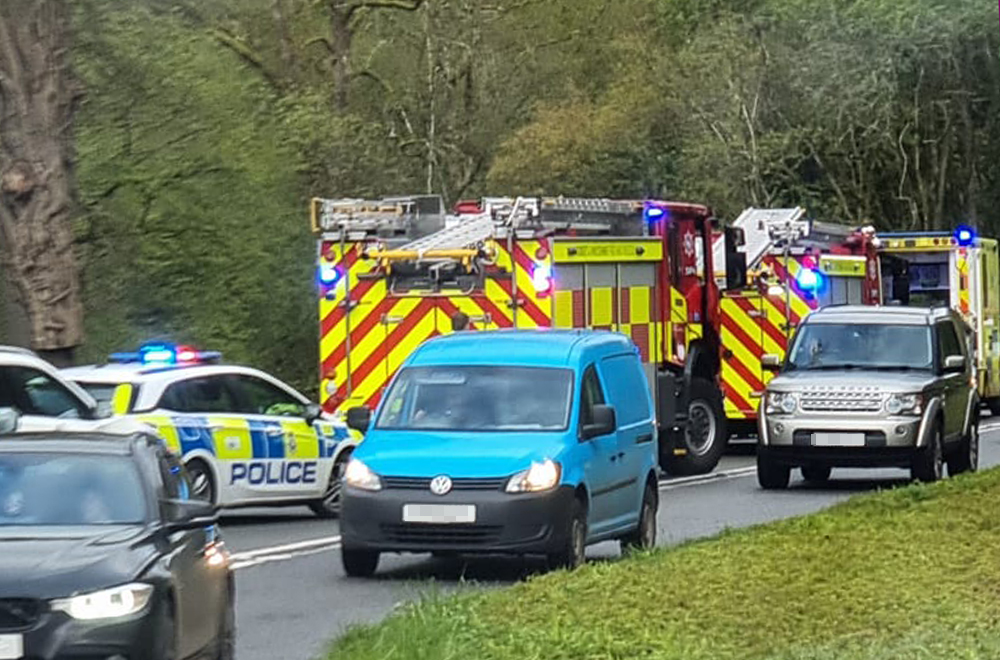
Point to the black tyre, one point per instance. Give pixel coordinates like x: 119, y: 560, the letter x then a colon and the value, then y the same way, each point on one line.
x: 816, y: 474
x: 966, y: 457
x: 644, y: 536
x: 359, y: 563
x: 771, y: 475
x: 202, y: 481
x: 704, y: 437
x: 227, y: 633
x: 928, y: 463
x: 166, y: 634
x: 993, y: 403
x: 573, y: 552
x: 329, y: 506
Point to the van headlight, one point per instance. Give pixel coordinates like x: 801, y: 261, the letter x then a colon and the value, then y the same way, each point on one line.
x: 905, y: 404
x: 539, y: 477
x: 357, y: 475
x: 781, y: 403
x: 115, y: 603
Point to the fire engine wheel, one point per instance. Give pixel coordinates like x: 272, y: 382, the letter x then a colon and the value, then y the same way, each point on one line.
x: 704, y: 439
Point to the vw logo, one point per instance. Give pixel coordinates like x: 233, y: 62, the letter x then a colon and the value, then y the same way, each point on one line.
x: 441, y: 485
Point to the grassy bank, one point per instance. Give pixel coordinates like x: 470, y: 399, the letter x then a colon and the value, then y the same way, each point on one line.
x: 913, y: 573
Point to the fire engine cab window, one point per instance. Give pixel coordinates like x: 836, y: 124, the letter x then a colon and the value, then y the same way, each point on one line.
x: 199, y: 395
x: 479, y: 399
x: 32, y: 392
x: 259, y: 397
x: 591, y: 395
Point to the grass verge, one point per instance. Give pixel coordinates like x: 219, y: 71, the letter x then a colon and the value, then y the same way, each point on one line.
x: 910, y: 573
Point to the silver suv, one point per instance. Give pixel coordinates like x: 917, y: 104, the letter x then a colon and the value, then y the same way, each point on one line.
x: 871, y: 387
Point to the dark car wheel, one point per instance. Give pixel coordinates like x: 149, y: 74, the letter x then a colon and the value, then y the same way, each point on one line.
x: 202, y: 481
x: 816, y: 474
x: 966, y: 457
x: 771, y: 475
x: 704, y: 437
x: 928, y: 463
x: 359, y: 563
x: 644, y: 536
x: 329, y: 506
x: 227, y: 633
x: 573, y: 553
x: 166, y: 635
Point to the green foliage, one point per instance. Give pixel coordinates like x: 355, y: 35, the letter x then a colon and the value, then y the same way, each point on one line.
x: 906, y: 573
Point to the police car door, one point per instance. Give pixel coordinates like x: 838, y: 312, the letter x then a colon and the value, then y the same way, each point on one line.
x: 297, y: 464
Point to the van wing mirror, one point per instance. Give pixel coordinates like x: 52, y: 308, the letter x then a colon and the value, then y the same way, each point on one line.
x: 770, y: 362
x: 359, y: 418
x: 603, y: 422
x: 954, y: 363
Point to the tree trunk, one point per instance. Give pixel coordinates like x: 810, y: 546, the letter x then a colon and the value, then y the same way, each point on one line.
x: 341, y: 37
x: 37, y: 184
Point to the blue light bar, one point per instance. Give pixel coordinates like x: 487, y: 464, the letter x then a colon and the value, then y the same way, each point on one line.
x: 653, y: 213
x: 329, y: 274
x: 164, y: 354
x: 809, y: 279
x: 965, y: 235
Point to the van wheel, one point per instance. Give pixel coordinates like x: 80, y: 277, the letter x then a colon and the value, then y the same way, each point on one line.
x: 704, y: 436
x: 359, y: 563
x: 202, y: 481
x: 573, y: 553
x: 644, y: 536
x: 771, y: 475
x: 966, y: 456
x: 928, y: 463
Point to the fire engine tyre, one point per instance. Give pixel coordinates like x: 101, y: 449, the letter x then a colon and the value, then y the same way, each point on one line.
x: 704, y: 438
x: 771, y: 475
x: 359, y: 563
x: 993, y: 403
x: 928, y: 463
x: 966, y: 457
x: 202, y: 481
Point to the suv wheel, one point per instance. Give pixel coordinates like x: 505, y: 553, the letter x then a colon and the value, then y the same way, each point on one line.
x: 771, y: 475
x: 928, y: 464
x: 816, y: 474
x: 966, y: 456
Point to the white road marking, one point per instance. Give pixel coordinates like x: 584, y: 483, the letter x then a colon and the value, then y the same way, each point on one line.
x: 711, y: 477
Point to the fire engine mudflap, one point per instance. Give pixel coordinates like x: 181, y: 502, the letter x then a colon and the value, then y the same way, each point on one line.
x: 394, y: 272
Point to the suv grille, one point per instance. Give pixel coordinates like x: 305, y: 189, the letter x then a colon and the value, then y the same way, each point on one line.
x: 19, y: 613
x: 421, y: 483
x: 847, y: 399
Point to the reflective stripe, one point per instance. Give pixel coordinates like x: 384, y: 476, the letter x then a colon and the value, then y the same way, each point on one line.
x: 231, y: 437
x: 121, y: 398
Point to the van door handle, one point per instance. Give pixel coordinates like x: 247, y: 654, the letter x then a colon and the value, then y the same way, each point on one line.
x: 643, y: 439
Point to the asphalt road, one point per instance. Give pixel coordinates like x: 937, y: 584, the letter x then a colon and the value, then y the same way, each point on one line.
x: 293, y: 597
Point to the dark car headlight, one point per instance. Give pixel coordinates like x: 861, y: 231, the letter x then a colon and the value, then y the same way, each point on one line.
x: 114, y: 603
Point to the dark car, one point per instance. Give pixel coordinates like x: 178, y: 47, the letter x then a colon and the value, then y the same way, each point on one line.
x: 103, y: 556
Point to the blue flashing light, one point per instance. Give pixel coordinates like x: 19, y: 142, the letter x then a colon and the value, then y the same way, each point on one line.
x: 329, y: 274
x: 541, y: 278
x: 965, y: 235
x: 165, y: 354
x: 158, y: 354
x: 809, y: 279
x: 653, y: 213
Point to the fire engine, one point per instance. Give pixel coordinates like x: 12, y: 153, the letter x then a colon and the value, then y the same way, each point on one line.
x: 960, y: 270
x: 394, y: 272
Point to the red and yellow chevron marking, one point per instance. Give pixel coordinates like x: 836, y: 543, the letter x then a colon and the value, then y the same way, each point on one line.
x: 962, y: 264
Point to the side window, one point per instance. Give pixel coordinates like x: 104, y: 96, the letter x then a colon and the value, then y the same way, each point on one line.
x: 948, y: 342
x: 34, y: 392
x: 627, y: 387
x: 259, y: 397
x: 209, y: 394
x: 591, y: 395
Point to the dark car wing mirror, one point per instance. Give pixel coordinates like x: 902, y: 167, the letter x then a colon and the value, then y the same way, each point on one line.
x: 602, y: 422
x: 359, y: 419
x: 189, y: 514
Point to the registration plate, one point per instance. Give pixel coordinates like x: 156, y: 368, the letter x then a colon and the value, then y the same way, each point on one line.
x: 11, y: 647
x: 439, y: 514
x: 839, y: 439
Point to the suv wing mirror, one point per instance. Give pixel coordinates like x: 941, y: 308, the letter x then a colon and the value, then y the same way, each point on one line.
x: 954, y: 363
x: 770, y: 362
x: 603, y: 422
x: 359, y: 419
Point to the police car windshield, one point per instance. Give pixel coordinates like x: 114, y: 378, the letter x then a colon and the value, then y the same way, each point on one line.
x: 479, y: 399
x: 101, y: 392
x: 822, y: 346
x: 60, y: 489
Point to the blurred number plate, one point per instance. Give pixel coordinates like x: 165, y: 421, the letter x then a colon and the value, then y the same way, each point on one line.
x: 839, y: 439
x: 439, y: 514
x: 11, y: 647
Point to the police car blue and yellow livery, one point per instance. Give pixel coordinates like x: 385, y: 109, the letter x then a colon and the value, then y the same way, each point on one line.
x: 246, y: 437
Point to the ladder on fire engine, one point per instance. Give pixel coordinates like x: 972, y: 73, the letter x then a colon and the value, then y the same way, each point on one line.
x: 762, y: 230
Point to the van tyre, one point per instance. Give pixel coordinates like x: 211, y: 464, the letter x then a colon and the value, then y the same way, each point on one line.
x: 928, y: 463
x: 644, y: 536
x: 572, y: 554
x: 966, y: 457
x: 816, y: 474
x: 704, y: 436
x: 359, y: 563
x: 772, y: 475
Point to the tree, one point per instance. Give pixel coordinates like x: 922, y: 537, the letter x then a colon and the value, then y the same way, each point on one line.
x: 38, y: 99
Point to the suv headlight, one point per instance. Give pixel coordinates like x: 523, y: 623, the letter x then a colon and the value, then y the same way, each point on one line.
x: 539, y: 477
x: 781, y: 403
x: 905, y: 404
x: 114, y: 603
x: 358, y: 475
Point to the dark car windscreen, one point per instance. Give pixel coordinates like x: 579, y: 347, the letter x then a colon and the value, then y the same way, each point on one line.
x: 862, y: 346
x: 480, y: 398
x: 65, y: 489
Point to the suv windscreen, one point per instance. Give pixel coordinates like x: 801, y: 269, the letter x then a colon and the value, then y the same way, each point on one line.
x: 479, y: 399
x: 862, y: 346
x: 33, y: 392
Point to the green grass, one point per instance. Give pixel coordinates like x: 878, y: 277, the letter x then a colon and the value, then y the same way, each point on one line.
x: 912, y: 574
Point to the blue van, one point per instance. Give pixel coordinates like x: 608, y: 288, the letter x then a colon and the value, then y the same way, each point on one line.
x: 521, y: 441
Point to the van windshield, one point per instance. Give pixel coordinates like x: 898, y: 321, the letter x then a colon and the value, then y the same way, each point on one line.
x: 862, y: 346
x: 479, y: 399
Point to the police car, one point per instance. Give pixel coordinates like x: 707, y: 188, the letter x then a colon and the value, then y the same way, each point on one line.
x: 245, y: 437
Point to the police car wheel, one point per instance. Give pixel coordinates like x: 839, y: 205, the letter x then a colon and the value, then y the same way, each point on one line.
x: 202, y: 482
x: 329, y: 506
x: 359, y: 563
